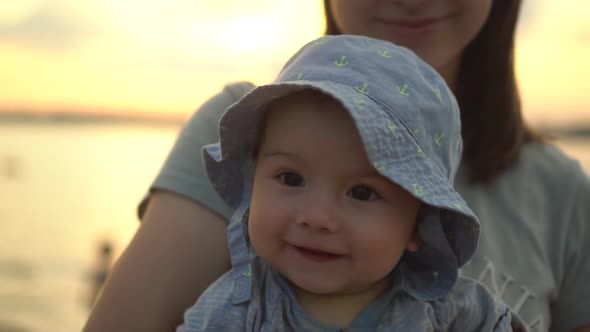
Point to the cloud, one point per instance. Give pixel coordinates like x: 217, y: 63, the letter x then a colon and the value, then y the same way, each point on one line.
x: 583, y: 35
x: 529, y: 18
x: 168, y: 63
x: 50, y: 27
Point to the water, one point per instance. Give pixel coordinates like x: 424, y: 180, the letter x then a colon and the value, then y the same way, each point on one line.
x: 63, y: 188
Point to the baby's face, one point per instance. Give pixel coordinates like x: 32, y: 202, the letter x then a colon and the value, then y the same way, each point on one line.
x: 320, y: 213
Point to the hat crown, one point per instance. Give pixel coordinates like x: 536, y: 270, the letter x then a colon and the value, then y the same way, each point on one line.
x: 394, y: 77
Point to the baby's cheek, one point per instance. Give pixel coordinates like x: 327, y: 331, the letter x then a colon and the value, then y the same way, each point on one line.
x: 383, y: 251
x: 377, y: 266
x: 263, y: 229
x: 255, y: 227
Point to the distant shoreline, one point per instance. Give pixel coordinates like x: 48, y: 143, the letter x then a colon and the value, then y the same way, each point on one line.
x: 92, y: 118
x: 575, y: 131
x: 578, y: 131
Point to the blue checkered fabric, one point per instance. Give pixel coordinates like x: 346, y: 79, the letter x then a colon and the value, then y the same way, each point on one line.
x: 468, y: 307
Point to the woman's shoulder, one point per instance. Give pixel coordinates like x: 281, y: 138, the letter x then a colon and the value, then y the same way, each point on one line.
x: 231, y: 93
x: 218, y: 103
x: 548, y: 156
x: 545, y: 183
x: 550, y: 168
x: 238, y: 89
x: 546, y: 165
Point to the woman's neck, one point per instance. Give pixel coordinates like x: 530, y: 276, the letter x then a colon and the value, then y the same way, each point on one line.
x: 339, y: 309
x: 450, y: 71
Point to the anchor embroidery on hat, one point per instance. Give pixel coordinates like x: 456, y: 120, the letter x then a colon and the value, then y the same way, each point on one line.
x: 379, y: 167
x: 362, y: 89
x: 248, y: 273
x: 418, y: 190
x: 403, y: 90
x: 392, y: 127
x: 384, y: 53
x: 438, y: 139
x: 342, y: 62
x: 437, y: 93
x: 359, y: 102
x: 321, y: 41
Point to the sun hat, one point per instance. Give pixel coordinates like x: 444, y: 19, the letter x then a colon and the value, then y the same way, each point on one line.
x: 409, y: 123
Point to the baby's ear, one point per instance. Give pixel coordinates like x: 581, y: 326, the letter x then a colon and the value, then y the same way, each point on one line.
x: 415, y: 241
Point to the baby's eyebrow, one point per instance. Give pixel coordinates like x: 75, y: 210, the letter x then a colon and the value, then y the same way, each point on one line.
x: 366, y: 173
x: 266, y: 154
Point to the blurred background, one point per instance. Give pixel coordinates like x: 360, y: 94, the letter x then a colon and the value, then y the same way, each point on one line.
x: 93, y: 93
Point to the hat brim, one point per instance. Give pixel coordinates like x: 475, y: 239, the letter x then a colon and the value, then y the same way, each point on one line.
x: 391, y: 148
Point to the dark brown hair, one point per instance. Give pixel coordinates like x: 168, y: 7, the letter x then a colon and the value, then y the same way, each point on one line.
x: 493, y: 128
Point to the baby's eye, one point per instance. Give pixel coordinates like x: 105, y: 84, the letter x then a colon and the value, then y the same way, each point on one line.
x: 290, y: 179
x: 363, y: 193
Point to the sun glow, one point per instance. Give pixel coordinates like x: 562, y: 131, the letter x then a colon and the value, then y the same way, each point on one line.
x: 12, y: 12
x: 170, y: 56
x: 247, y: 35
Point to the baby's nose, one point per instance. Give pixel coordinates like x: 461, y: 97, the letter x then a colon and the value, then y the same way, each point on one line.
x: 318, y: 213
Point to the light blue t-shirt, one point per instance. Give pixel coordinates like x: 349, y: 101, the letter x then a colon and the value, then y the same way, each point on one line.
x: 534, y: 251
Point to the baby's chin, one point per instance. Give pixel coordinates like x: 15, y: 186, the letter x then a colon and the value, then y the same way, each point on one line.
x: 309, y: 285
x: 318, y: 288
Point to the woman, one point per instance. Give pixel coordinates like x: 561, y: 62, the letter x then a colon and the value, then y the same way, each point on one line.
x: 530, y: 198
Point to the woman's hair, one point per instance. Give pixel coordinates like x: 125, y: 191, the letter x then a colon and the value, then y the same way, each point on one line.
x: 493, y: 128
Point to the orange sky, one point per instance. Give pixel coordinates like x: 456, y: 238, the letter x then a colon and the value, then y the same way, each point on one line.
x: 168, y: 56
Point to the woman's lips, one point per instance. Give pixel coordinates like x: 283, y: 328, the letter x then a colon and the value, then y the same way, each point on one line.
x: 411, y: 28
x: 317, y: 255
x: 414, y: 23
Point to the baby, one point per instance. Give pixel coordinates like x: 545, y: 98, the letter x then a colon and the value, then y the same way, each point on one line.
x: 340, y: 174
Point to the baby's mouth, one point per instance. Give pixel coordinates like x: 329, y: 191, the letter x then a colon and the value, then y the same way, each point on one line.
x: 317, y: 255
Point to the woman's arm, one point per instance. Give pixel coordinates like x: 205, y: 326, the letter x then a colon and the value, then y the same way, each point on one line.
x: 179, y: 250
x: 180, y: 247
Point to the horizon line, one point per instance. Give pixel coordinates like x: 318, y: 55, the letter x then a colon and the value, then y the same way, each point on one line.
x: 579, y: 129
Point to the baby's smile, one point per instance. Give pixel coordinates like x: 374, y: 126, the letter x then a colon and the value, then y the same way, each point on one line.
x: 316, y: 255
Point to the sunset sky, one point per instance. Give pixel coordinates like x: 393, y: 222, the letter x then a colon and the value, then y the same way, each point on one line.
x: 166, y: 57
